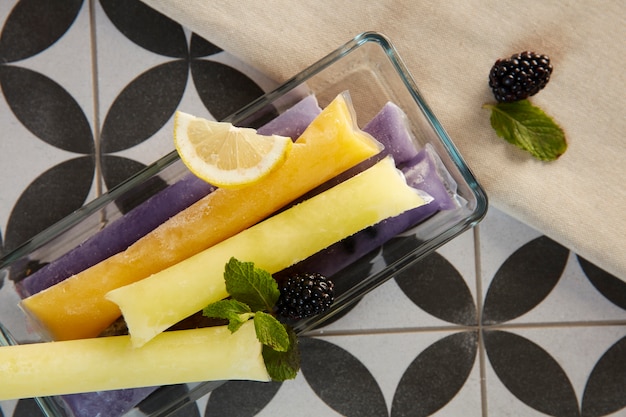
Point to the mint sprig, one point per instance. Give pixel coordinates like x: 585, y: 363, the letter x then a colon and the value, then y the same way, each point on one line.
x: 528, y: 127
x: 251, y: 285
x: 254, y: 294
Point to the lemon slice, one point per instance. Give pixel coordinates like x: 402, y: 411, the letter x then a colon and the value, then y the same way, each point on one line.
x: 225, y: 155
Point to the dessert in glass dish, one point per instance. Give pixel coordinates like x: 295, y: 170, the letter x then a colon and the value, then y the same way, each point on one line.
x: 357, y: 121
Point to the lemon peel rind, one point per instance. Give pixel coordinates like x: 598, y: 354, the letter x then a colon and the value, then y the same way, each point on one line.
x: 227, y: 178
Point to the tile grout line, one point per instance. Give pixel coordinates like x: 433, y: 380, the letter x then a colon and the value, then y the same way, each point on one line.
x: 478, y: 272
x: 555, y: 324
x: 461, y: 328
x: 398, y: 330
x: 96, y: 96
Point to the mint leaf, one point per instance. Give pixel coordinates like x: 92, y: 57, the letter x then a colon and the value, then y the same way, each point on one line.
x: 283, y: 365
x: 271, y: 332
x: 235, y: 312
x: 251, y: 285
x: 529, y: 128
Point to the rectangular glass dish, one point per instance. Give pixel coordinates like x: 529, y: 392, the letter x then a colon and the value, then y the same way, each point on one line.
x: 370, y: 69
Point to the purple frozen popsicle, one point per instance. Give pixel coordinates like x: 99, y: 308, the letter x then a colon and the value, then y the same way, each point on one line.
x: 106, y: 403
x: 294, y: 120
x: 420, y: 169
x: 118, y: 235
x: 390, y: 127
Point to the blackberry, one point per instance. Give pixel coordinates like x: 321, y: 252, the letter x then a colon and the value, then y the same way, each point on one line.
x: 519, y: 76
x: 305, y: 295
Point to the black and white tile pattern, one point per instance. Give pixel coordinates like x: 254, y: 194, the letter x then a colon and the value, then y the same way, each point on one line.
x: 500, y: 321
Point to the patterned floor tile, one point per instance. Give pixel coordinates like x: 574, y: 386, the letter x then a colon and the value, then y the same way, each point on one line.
x: 50, y: 67
x: 556, y: 371
x: 399, y: 374
x: 575, y: 299
x: 540, y: 280
x: 32, y: 161
x: 68, y: 60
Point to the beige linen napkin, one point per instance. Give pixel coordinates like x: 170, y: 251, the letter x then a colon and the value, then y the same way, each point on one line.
x: 449, y: 47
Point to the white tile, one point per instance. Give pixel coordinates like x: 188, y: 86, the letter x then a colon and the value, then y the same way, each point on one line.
x: 461, y: 253
x: 7, y: 407
x: 387, y: 307
x: 5, y: 10
x: 500, y: 401
x: 119, y: 62
x: 387, y: 356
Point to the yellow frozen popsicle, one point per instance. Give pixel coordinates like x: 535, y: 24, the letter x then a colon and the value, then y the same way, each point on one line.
x: 163, y: 299
x: 105, y: 363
